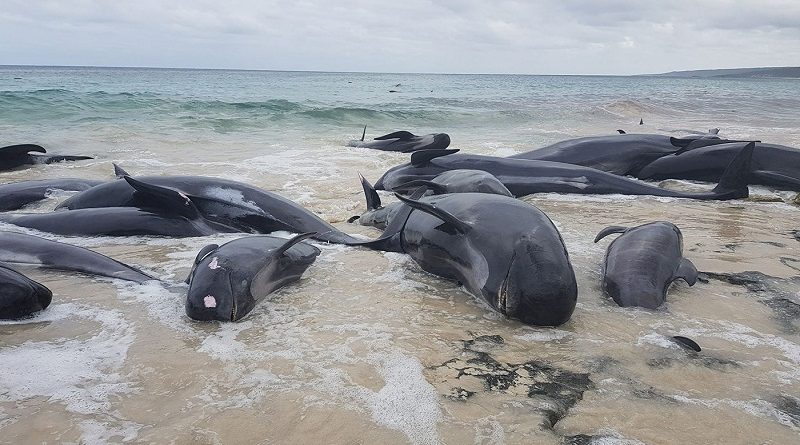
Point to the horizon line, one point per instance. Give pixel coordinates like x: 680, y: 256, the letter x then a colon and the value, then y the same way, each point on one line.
x: 375, y: 72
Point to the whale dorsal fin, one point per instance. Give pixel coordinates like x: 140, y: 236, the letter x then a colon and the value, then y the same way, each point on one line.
x: 437, y: 189
x: 621, y: 131
x: 364, y: 133
x: 449, y: 219
x: 119, y: 172
x: 163, y: 197
x: 422, y: 157
x: 402, y: 135
x: 204, y: 252
x: 687, y: 271
x: 262, y: 282
x: 372, y: 197
x: 20, y: 150
x: 608, y: 231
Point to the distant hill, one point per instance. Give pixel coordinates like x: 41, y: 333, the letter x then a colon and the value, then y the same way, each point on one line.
x: 772, y: 72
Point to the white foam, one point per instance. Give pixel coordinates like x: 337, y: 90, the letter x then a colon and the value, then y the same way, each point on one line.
x: 656, y: 339
x: 756, y: 408
x: 544, y: 335
x: 407, y: 402
x: 80, y: 373
x: 489, y: 431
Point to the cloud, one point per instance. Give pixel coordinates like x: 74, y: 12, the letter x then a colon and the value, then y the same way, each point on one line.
x: 548, y: 36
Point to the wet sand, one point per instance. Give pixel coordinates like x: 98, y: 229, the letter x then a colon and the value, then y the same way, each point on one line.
x: 367, y: 348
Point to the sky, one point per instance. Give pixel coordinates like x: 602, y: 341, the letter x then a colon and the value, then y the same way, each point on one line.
x: 430, y: 36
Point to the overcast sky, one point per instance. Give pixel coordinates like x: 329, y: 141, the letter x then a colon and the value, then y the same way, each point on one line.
x: 441, y: 36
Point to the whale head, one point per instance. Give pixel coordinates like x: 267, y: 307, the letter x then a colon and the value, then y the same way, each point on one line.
x: 20, y: 296
x: 539, y: 287
x: 211, y: 293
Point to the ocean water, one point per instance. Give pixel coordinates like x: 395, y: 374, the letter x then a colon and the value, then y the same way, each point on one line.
x: 367, y: 348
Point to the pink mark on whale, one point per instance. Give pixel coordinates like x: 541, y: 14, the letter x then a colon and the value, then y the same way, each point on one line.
x: 210, y: 301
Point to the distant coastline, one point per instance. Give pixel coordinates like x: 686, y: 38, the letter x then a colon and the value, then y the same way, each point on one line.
x: 789, y: 72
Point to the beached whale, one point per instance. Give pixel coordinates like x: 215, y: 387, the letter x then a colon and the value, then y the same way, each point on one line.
x: 19, y: 248
x: 177, y: 216
x: 16, y: 195
x: 501, y: 249
x: 641, y: 264
x: 453, y: 181
x: 621, y: 154
x: 226, y: 282
x: 115, y: 221
x: 404, y: 141
x: 19, y: 295
x: 14, y: 156
x: 772, y: 165
x: 524, y: 177
x: 234, y: 204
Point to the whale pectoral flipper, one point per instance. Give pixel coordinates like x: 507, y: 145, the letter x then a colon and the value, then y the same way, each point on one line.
x: 119, y: 172
x: 422, y: 157
x: 402, y: 135
x: 173, y: 199
x: 20, y: 150
x: 621, y: 131
x: 608, y: 231
x: 448, y: 218
x: 687, y: 271
x: 372, y: 197
x: 263, y: 281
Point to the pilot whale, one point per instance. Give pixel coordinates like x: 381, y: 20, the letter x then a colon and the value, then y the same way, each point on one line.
x: 452, y: 181
x: 20, y: 248
x: 226, y: 282
x: 642, y: 262
x: 520, y: 269
x: 16, y: 195
x: 229, y: 203
x: 772, y: 165
x: 19, y: 295
x: 621, y: 154
x: 177, y: 217
x: 403, y: 141
x: 524, y: 177
x: 15, y: 156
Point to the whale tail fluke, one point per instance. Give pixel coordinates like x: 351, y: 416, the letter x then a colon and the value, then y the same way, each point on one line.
x: 389, y: 241
x: 734, y: 180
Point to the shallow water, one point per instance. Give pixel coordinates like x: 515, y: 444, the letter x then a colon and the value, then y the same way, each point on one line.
x: 366, y: 347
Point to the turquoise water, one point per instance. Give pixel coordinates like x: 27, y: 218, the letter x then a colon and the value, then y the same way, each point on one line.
x: 367, y: 348
x: 512, y: 110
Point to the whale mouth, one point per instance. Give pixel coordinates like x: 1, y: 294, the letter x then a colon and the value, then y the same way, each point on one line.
x: 502, y: 296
